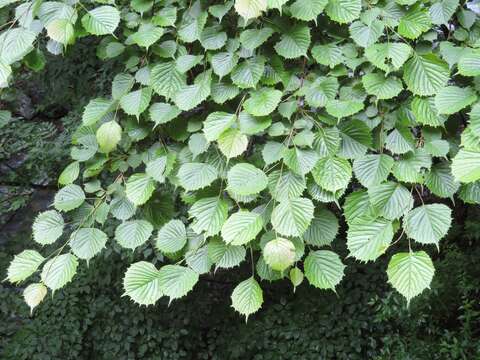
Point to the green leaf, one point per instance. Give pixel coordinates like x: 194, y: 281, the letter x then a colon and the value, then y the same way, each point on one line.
x: 388, y: 56
x: 410, y: 273
x: 442, y: 11
x: 69, y: 197
x: 294, y: 43
x: 323, y: 89
x: 223, y: 63
x: 147, y: 35
x: 121, y: 208
x: 198, y: 260
x: 262, y: 102
x: 172, y: 237
x: 440, y: 180
x: 427, y: 224
x: 390, y: 200
x: 69, y: 174
x: 425, y: 74
x: 15, y: 44
x: 452, y: 99
x: 167, y: 80
x: 307, y: 10
x: 248, y: 73
x: 382, y: 87
x: 232, y: 143
x: 292, y: 217
x: 332, y: 173
x: 415, y: 22
x: 247, y: 297
x: 426, y: 113
x: 176, y: 281
x: 210, y: 214
x: 132, y: 234
x: 34, y: 294
x: 323, y: 269
x: 139, y: 188
x: 344, y: 108
x: 279, y: 254
x: 241, y: 227
x: 246, y: 179
x: 225, y: 256
x: 58, y: 271
x: 250, y: 125
x: 469, y: 62
x: 329, y: 55
x: 343, y: 11
x: 87, y: 242
x: 102, y: 20
x: 368, y: 239
x: 300, y: 161
x: 212, y: 38
x: 61, y: 30
x: 285, y: 185
x: 372, y: 169
x: 136, y: 102
x: 142, y: 283
x: 47, y: 227
x: 400, y: 141
x: 249, y: 9
x: 216, y: 123
x: 23, y: 265
x: 366, y: 35
x: 466, y: 166
x: 109, y: 135
x: 190, y: 96
x: 162, y: 113
x: 323, y: 229
x: 96, y: 110
x: 253, y: 38
x: 195, y: 176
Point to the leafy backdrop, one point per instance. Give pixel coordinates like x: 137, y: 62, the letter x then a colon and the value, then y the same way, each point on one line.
x: 248, y: 130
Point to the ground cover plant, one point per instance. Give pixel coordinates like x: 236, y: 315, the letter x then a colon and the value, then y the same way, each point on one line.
x: 248, y: 131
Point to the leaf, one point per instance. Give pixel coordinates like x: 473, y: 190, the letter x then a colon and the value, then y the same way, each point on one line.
x: 136, y: 102
x: 167, y: 80
x: 307, y: 10
x: 195, y: 176
x: 69, y: 197
x: 139, y: 188
x: 366, y: 35
x: 323, y: 89
x: 343, y: 108
x: 400, y: 141
x: 142, y: 283
x: 24, y: 265
x: 241, y: 227
x: 210, y: 214
x: 253, y: 38
x: 247, y: 297
x: 332, y: 173
x: 452, y: 99
x: 425, y: 74
x: 343, y: 11
x: 368, y: 239
x: 102, y: 20
x: 34, y: 294
x: 58, y: 271
x: 442, y: 11
x: 121, y: 208
x: 198, y: 260
x: 427, y: 224
x: 250, y: 125
x: 190, y: 96
x: 132, y: 234
x: 69, y: 174
x: 380, y: 86
x: 388, y: 56
x: 328, y: 55
x: 293, y: 216
x: 285, y: 185
x: 225, y: 256
x: 246, y: 179
x: 96, y: 110
x: 108, y: 136
x: 390, y: 200
x: 61, y: 30
x: 216, y: 123
x: 87, y: 242
x: 469, y: 63
x: 426, y: 113
x: 176, y: 281
x: 223, y: 63
x: 323, y: 269
x: 296, y: 277
x: 372, y: 169
x: 300, y: 161
x: 249, y: 9
x: 47, y: 227
x: 162, y: 113
x: 232, y: 143
x: 294, y: 43
x: 147, y: 35
x: 322, y: 230
x: 466, y: 166
x: 262, y: 102
x: 415, y: 22
x: 172, y: 237
x: 440, y: 180
x: 410, y: 273
x: 279, y: 254
x: 15, y: 44
x: 248, y: 73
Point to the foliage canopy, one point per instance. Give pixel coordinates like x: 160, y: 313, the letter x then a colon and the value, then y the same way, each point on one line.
x: 263, y: 121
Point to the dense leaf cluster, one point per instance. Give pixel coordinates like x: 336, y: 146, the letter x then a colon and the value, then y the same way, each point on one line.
x: 262, y: 116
